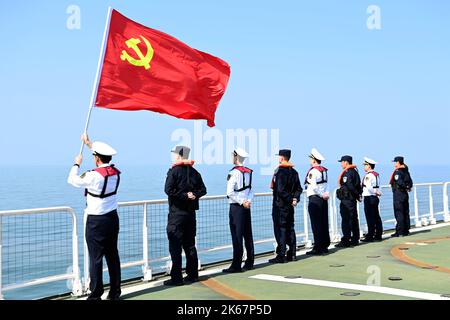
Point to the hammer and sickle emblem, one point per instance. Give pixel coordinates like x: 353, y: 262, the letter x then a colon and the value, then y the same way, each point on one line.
x: 143, y: 61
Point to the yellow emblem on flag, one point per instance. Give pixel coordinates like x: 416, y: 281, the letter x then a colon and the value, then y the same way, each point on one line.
x: 143, y: 61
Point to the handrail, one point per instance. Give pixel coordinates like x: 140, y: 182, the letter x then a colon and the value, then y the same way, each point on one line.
x: 74, y: 275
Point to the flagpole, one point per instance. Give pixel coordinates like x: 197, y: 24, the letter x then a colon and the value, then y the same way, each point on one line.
x: 97, y: 78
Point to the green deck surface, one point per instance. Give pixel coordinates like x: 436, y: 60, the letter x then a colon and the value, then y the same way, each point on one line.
x: 356, y: 263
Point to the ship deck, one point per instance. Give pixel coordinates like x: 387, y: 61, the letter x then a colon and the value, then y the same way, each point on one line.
x: 413, y: 267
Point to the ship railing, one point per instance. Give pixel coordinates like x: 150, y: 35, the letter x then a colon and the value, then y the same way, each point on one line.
x: 144, y: 222
x: 34, y: 244
x: 429, y: 202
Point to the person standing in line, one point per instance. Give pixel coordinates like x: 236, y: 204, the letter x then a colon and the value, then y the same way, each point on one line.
x: 401, y: 184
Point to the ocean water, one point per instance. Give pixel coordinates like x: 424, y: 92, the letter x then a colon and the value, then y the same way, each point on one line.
x: 30, y: 252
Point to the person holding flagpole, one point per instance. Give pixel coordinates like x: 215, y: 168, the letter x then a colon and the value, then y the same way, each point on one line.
x: 102, y: 224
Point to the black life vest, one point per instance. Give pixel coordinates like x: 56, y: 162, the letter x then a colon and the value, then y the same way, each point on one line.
x: 244, y: 170
x: 323, y: 171
x: 377, y: 177
x: 106, y: 172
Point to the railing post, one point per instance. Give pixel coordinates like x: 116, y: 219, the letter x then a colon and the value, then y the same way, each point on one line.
x: 335, y: 212
x: 331, y: 219
x: 445, y: 197
x: 308, y: 243
x: 1, y: 257
x: 432, y: 218
x: 87, y: 277
x: 416, y: 208
x: 146, y: 270
x: 77, y: 287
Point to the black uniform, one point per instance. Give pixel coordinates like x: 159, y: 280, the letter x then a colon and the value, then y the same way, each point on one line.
x: 181, y: 224
x: 349, y: 193
x: 286, y: 187
x: 401, y: 184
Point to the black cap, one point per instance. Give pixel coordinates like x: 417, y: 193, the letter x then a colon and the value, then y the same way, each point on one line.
x: 349, y: 159
x: 399, y: 159
x: 285, y: 153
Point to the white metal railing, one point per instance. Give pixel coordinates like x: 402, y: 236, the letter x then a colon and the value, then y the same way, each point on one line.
x: 73, y: 275
x: 147, y: 205
x: 421, y: 217
x: 446, y: 202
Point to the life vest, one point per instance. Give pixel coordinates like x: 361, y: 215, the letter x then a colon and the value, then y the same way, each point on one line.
x: 184, y: 163
x: 244, y: 170
x: 322, y: 170
x: 282, y: 165
x: 106, y: 172
x: 377, y: 177
x: 344, y: 172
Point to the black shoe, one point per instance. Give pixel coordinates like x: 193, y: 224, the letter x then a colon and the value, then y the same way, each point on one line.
x: 367, y: 240
x: 378, y: 239
x: 395, y: 235
x: 314, y: 252
x: 343, y: 245
x: 291, y: 259
x: 172, y: 283
x: 324, y: 251
x: 354, y: 243
x: 277, y: 260
x: 248, y: 268
x: 232, y: 270
x: 190, y: 280
x: 113, y: 297
x: 405, y: 234
x: 91, y: 298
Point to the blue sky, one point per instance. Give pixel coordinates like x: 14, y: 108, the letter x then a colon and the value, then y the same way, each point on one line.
x: 311, y: 69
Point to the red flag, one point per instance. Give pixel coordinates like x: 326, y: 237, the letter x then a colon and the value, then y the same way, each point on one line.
x: 146, y: 69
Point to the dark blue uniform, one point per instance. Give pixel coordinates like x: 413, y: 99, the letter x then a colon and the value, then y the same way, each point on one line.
x: 349, y: 193
x: 181, y: 224
x: 286, y: 188
x: 401, y: 184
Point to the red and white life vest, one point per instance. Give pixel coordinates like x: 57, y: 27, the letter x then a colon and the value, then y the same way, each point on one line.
x: 106, y: 172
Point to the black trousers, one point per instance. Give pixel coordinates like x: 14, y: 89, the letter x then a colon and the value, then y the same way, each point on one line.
x: 101, y: 236
x: 283, y: 226
x: 374, y: 222
x: 401, y: 211
x: 318, y: 214
x: 181, y: 231
x: 241, y: 229
x: 350, y: 223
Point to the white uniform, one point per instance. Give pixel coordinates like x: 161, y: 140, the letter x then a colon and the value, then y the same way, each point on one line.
x: 236, y: 182
x: 314, y: 187
x: 93, y: 182
x: 371, y: 184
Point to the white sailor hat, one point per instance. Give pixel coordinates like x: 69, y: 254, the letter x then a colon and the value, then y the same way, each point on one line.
x: 369, y: 161
x: 183, y: 151
x: 315, y: 154
x: 103, y: 149
x: 240, y: 152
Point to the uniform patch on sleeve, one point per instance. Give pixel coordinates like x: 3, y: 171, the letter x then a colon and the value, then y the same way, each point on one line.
x: 396, y: 177
x: 367, y: 178
x: 228, y: 177
x: 310, y: 175
x: 83, y: 175
x: 345, y: 179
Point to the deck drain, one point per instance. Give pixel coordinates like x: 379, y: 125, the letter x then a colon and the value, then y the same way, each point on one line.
x: 293, y: 277
x: 429, y: 242
x: 350, y: 294
x: 430, y: 267
x: 447, y: 295
x: 403, y: 249
x: 337, y: 265
x: 395, y: 278
x: 373, y: 257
